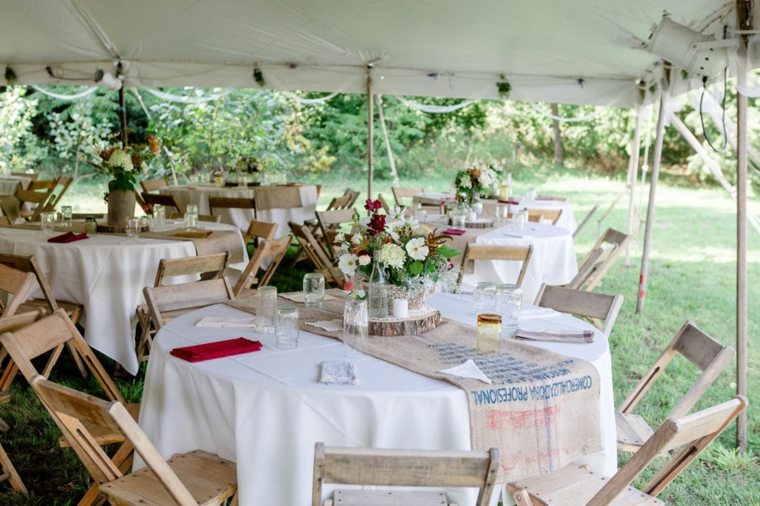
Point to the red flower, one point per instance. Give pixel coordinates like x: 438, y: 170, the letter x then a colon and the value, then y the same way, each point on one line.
x: 376, y: 224
x: 372, y: 205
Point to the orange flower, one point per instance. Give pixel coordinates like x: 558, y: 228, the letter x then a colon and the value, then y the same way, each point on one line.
x: 475, y: 172
x: 154, y: 144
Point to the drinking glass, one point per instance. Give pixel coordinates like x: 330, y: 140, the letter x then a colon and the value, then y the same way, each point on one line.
x: 191, y: 216
x: 485, y: 297
x: 458, y: 217
x: 159, y: 214
x: 47, y: 221
x: 477, y: 207
x: 521, y: 219
x: 509, y: 305
x: 287, y: 328
x: 355, y: 326
x: 66, y: 213
x: 266, y: 310
x: 133, y: 227
x: 502, y: 213
x: 242, y: 181
x: 313, y: 288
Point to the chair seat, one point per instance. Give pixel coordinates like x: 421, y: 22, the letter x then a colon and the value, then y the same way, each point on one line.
x: 104, y: 437
x: 210, y: 480
x: 574, y: 485
x: 359, y: 497
x: 632, y: 431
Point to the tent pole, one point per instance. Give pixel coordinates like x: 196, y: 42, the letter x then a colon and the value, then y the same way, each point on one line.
x: 650, y: 207
x: 741, y: 263
x: 633, y: 175
x: 370, y: 134
x: 123, y: 117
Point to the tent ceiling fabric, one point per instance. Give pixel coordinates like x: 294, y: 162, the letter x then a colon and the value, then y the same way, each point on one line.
x: 580, y: 51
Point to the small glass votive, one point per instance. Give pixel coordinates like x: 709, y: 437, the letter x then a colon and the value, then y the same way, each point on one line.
x: 133, y: 227
x: 489, y: 333
x: 90, y: 225
x: 484, y: 297
x: 509, y: 306
x: 67, y: 213
x: 242, y: 181
x: 219, y: 179
x: 520, y: 219
x: 159, y: 214
x: 286, y: 328
x: 458, y: 218
x: 477, y: 207
x: 313, y: 288
x: 47, y: 221
x: 191, y: 216
x: 266, y: 309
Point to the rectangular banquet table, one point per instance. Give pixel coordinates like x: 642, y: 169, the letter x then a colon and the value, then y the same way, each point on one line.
x: 265, y: 410
x: 106, y: 274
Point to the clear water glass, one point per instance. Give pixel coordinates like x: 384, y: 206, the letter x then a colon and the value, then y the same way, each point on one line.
x: 313, y: 288
x: 159, y: 214
x: 67, y: 213
x: 266, y: 309
x: 242, y: 181
x: 191, y: 216
x: 355, y: 327
x: 484, y: 297
x: 133, y: 227
x: 286, y: 328
x: 509, y: 306
x: 502, y: 213
x: 477, y: 207
x: 458, y: 217
x: 521, y: 219
x: 47, y: 221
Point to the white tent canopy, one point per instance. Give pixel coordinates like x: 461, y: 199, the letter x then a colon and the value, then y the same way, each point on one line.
x: 581, y: 51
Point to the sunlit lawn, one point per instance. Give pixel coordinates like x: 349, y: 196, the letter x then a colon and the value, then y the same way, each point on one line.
x: 692, y: 276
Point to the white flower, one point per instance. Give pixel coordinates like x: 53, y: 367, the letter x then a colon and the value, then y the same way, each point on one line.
x: 391, y: 255
x: 416, y: 248
x: 120, y: 158
x: 486, y: 177
x: 347, y: 264
x: 464, y: 181
x: 340, y: 237
x: 364, y: 260
x: 356, y: 239
x: 144, y: 167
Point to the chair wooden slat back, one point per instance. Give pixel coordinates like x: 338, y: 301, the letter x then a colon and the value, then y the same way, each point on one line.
x: 18, y: 321
x: 61, y: 187
x: 707, y: 354
x: 150, y: 185
x: 539, y: 215
x: 330, y: 222
x: 42, y: 184
x: 274, y: 250
x: 40, y: 200
x: 473, y: 252
x: 692, y: 432
x: 407, y: 468
x: 216, y: 203
x: 600, y: 260
x: 384, y: 203
x: 585, y: 220
x: 595, y: 306
x: 151, y: 199
x: 31, y: 175
x: 341, y: 202
x: 16, y: 283
x: 50, y: 333
x: 400, y: 194
x: 161, y: 299
x: 259, y: 231
x: 206, y: 266
x: 352, y: 195
x: 30, y: 265
x: 316, y: 254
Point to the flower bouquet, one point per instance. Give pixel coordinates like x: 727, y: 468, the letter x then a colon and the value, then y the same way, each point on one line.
x: 476, y: 181
x: 410, y: 257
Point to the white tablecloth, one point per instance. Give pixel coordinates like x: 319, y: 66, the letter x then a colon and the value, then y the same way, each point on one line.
x: 266, y: 410
x: 106, y: 273
x: 241, y: 218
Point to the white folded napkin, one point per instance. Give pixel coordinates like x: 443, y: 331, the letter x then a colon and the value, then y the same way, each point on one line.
x: 338, y: 372
x: 551, y: 330
x: 328, y: 325
x: 222, y: 321
x: 467, y: 370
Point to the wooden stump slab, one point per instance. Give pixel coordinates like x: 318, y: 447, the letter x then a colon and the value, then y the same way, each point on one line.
x: 479, y: 223
x: 418, y: 322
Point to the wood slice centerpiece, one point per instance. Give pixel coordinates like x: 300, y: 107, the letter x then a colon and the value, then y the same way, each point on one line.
x: 417, y: 322
x: 108, y: 228
x: 478, y: 223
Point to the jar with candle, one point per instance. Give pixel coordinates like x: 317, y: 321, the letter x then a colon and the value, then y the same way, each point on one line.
x: 489, y: 333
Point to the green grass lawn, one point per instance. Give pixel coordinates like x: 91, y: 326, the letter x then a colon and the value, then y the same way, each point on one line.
x: 692, y: 277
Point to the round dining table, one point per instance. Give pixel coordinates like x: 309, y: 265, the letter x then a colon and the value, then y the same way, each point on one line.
x: 106, y: 273
x: 265, y: 410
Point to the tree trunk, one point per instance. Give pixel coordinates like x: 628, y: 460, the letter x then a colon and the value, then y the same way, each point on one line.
x: 558, y: 153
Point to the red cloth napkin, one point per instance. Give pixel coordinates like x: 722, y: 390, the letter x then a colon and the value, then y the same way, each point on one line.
x: 510, y: 201
x: 218, y: 349
x: 454, y: 231
x: 69, y: 237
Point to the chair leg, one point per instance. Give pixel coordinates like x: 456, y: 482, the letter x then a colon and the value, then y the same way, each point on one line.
x: 93, y: 497
x: 10, y: 473
x: 52, y: 361
x: 4, y: 427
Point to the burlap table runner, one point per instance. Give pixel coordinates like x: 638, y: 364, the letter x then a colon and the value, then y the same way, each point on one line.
x: 277, y: 197
x: 217, y: 242
x: 542, y: 409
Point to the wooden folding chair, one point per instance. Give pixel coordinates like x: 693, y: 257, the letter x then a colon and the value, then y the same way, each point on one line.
x: 707, y: 354
x: 399, y: 194
x: 600, y: 308
x: 477, y: 252
x: 33, y: 201
x: 541, y: 215
x: 576, y: 485
x: 186, y: 479
x: 329, y: 223
x: 352, y: 195
x: 62, y: 184
x: 585, y: 220
x: 168, y: 302
x: 273, y: 250
x: 172, y: 208
x: 401, y: 468
x: 31, y: 175
x: 216, y: 203
x: 210, y: 218
x: 599, y: 260
x: 151, y: 185
x: 316, y: 254
x: 48, y: 304
x: 341, y: 202
x: 258, y: 232
x: 385, y: 205
x: 207, y: 267
x: 16, y: 285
